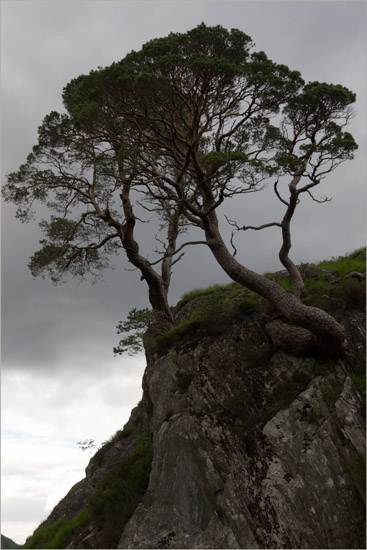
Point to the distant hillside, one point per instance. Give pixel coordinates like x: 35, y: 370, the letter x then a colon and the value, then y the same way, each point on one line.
x: 8, y: 543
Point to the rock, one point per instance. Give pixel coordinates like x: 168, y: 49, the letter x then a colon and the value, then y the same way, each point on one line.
x: 226, y: 476
x: 257, y: 444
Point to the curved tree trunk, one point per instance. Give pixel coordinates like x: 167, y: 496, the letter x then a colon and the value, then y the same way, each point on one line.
x: 294, y: 273
x: 329, y: 333
x: 158, y: 285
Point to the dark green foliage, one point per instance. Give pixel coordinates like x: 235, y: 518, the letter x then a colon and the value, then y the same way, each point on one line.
x: 58, y: 260
x: 314, y: 111
x: 117, y: 496
x: 184, y: 122
x: 57, y: 534
x: 137, y: 323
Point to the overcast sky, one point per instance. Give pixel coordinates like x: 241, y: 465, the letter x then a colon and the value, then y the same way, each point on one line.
x: 60, y: 381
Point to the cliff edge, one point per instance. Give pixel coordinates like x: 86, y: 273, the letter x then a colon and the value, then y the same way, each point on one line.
x: 242, y: 439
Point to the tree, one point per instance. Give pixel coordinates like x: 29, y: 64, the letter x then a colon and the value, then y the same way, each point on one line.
x: 201, y: 118
x: 138, y: 322
x: 201, y: 107
x: 81, y: 175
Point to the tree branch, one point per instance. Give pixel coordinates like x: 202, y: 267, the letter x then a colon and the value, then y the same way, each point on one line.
x: 258, y: 228
x: 325, y: 199
x: 278, y: 194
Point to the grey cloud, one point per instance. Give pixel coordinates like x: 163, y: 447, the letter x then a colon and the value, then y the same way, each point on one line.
x: 30, y: 510
x: 320, y: 39
x: 57, y: 341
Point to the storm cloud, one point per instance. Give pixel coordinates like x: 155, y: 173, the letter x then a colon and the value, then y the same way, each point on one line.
x: 61, y: 382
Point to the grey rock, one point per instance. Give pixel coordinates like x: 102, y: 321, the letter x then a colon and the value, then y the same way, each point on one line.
x: 254, y: 447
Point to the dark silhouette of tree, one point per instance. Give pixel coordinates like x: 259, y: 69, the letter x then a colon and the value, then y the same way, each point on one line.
x: 87, y: 183
x: 195, y: 119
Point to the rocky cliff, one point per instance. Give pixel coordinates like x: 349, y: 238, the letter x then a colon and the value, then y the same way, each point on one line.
x: 243, y: 439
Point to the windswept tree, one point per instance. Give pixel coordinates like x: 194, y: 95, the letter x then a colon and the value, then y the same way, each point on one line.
x: 197, y: 118
x: 86, y: 180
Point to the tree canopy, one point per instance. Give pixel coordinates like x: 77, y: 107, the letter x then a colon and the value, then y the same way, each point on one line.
x: 177, y: 128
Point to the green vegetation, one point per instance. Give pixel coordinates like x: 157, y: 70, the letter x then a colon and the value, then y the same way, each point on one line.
x: 283, y: 281
x: 57, y: 534
x: 205, y: 291
x: 245, y: 298
x: 137, y: 323
x: 334, y: 296
x: 116, y: 497
x: 356, y: 261
x: 234, y: 406
x: 216, y: 305
x: 213, y: 308
x: 256, y: 351
x: 106, y: 445
x: 78, y: 485
x: 120, y: 434
x: 325, y: 286
x: 110, y: 505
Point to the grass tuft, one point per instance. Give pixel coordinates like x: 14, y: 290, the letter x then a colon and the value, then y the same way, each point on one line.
x: 59, y: 533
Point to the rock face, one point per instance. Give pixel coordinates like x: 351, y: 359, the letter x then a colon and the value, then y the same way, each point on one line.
x: 254, y: 447
x: 252, y: 453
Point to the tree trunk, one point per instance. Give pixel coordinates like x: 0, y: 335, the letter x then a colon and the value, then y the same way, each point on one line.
x: 158, y: 297
x: 329, y: 333
x: 158, y: 287
x: 294, y: 274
